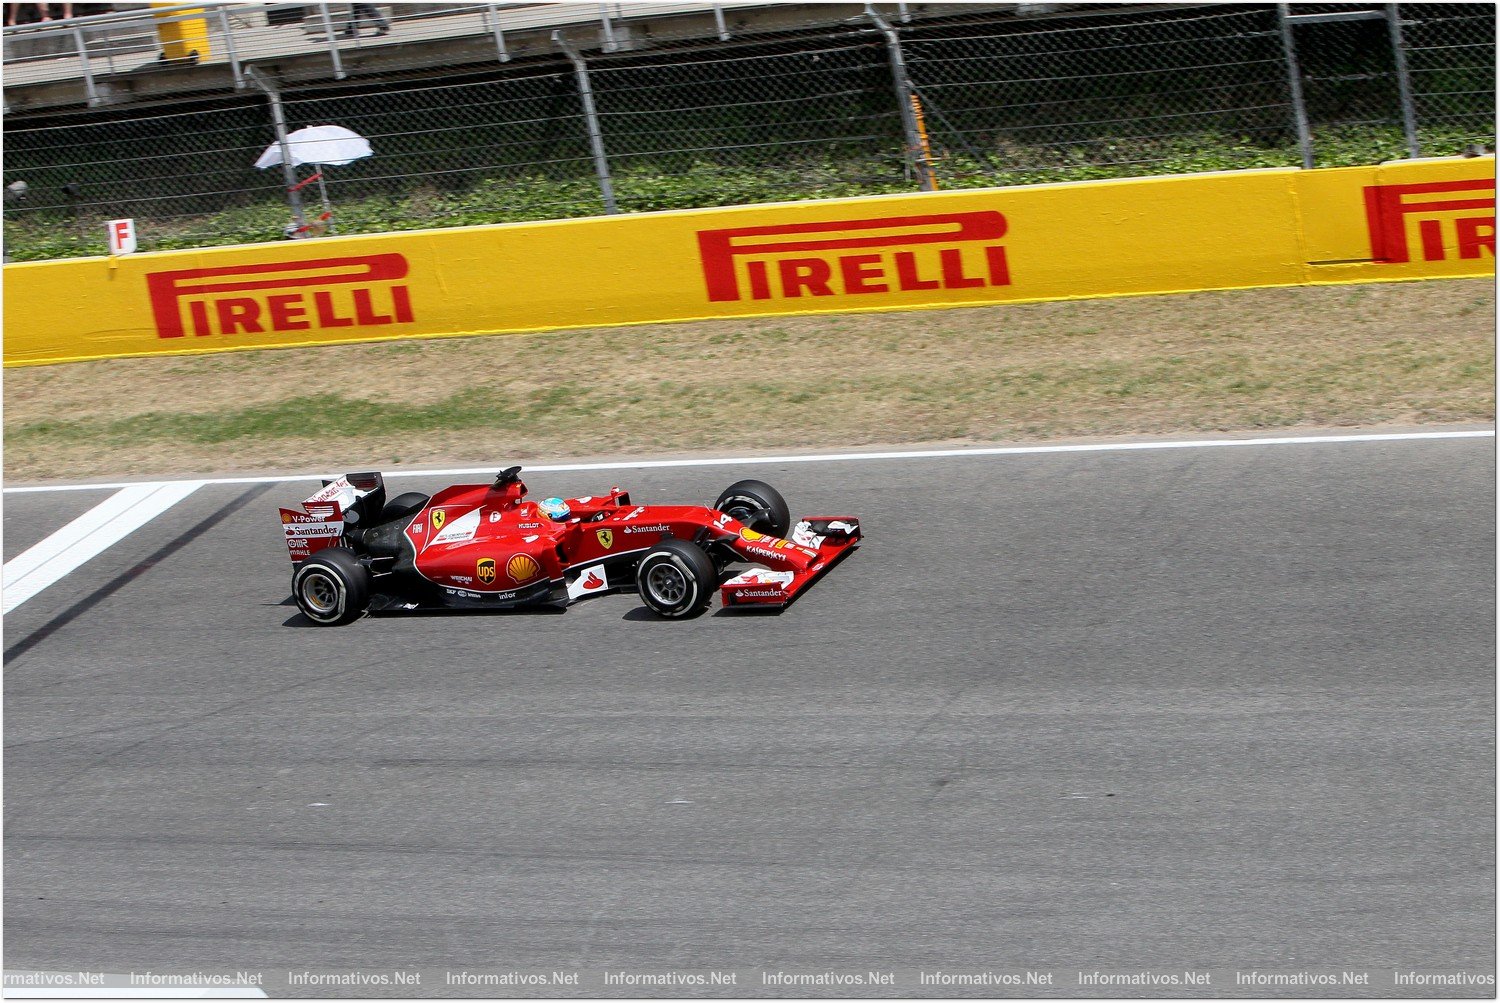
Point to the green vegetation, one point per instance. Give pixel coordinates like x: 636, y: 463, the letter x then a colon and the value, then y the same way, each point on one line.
x: 527, y: 197
x: 1404, y: 353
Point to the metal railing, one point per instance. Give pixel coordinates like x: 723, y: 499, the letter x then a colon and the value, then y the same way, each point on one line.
x: 532, y: 119
x: 86, y: 48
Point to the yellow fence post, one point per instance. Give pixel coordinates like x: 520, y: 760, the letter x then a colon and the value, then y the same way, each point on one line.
x: 916, y: 108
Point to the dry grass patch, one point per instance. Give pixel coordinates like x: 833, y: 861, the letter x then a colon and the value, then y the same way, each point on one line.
x: 1253, y: 359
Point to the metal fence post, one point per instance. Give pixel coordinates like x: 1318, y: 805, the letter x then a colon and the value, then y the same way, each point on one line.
x: 333, y: 45
x: 903, y: 99
x: 1294, y: 80
x: 278, y: 122
x: 1403, y: 80
x: 88, y: 71
x: 591, y: 117
x: 493, y: 13
x: 234, y: 59
x: 610, y: 45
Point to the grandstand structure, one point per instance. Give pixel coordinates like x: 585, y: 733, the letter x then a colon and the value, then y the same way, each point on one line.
x: 136, y: 51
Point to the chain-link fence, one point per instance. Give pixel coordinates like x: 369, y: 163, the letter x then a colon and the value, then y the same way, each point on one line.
x: 1101, y: 93
x: 167, y: 167
x: 753, y: 122
x: 1450, y: 54
x: 636, y: 114
x: 516, y: 144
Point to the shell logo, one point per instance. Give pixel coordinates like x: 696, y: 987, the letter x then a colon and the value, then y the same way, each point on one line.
x: 522, y: 568
x: 751, y: 536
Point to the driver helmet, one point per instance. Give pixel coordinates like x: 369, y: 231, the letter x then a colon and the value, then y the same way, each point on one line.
x: 554, y: 508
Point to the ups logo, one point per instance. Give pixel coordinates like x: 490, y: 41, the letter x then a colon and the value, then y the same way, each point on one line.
x: 485, y: 570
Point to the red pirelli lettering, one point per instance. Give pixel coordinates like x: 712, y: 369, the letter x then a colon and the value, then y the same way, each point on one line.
x: 1387, y: 208
x: 800, y: 275
x: 289, y: 311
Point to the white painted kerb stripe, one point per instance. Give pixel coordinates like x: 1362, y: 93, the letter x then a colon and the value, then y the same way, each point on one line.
x: 88, y: 536
x: 966, y: 452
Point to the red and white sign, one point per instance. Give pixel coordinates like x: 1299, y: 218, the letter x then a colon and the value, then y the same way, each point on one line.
x: 121, y: 233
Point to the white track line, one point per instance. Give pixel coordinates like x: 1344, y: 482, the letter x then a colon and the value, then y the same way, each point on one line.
x: 88, y: 536
x: 916, y: 454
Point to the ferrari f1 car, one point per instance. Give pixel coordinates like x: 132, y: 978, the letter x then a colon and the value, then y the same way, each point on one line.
x: 484, y: 546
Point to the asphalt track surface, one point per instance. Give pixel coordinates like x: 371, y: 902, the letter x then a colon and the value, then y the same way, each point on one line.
x: 1174, y: 709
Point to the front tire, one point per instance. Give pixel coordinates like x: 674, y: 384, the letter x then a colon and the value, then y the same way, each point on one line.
x: 331, y: 587
x: 757, y: 505
x: 676, y: 580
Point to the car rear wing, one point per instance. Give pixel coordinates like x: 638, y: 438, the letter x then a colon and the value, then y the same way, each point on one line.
x: 321, y: 520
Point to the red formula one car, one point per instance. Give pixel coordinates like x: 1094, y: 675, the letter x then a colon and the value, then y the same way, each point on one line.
x: 484, y: 546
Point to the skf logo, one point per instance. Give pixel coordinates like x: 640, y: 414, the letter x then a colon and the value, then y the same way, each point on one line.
x: 321, y: 293
x: 1448, y: 214
x: 438, y: 518
x: 485, y: 570
x: 944, y: 251
x: 522, y: 569
x: 606, y: 538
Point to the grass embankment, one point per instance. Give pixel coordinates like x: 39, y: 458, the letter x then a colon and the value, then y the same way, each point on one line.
x: 518, y: 196
x: 1403, y: 353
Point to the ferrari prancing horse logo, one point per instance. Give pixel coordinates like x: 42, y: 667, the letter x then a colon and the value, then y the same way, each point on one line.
x: 485, y: 569
x: 438, y: 518
x: 606, y: 538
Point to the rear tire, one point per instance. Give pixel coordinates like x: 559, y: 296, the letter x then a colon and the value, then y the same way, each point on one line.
x: 676, y: 580
x: 403, y: 505
x: 757, y: 505
x: 331, y: 587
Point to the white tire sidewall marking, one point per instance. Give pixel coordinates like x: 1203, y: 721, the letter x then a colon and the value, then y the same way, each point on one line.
x: 689, y: 580
x: 340, y: 589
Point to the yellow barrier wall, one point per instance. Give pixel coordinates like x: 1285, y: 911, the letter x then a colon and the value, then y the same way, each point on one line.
x: 1404, y: 220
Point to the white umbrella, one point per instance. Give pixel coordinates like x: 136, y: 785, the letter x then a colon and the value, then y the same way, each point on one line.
x: 319, y: 144
x: 322, y: 146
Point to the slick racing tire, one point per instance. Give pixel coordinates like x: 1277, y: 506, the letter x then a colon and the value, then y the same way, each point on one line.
x: 676, y: 580
x: 331, y: 587
x: 757, y: 505
x: 402, y: 506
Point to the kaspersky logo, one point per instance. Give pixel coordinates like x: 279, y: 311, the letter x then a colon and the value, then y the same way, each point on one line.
x: 1442, y: 215
x: 884, y: 255
x: 315, y: 294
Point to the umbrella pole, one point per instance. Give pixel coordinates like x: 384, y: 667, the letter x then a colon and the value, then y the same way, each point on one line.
x: 323, y: 193
x: 288, y: 169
